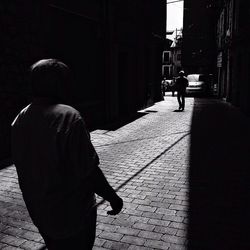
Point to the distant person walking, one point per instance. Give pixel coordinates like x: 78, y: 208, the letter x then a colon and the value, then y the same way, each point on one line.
x: 56, y: 163
x: 181, y: 85
x: 163, y: 87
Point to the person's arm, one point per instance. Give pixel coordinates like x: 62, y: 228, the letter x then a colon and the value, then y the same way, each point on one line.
x: 86, y: 166
x: 102, y: 188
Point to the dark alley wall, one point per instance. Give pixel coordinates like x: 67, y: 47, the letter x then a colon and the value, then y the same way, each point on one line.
x: 21, y: 44
x: 199, y: 32
x: 240, y: 58
x: 215, y: 42
x: 112, y: 47
x: 234, y: 51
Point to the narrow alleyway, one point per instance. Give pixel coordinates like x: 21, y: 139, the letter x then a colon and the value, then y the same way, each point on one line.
x: 181, y: 174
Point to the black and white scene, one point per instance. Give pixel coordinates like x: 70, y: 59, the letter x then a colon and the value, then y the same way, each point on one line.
x: 124, y: 125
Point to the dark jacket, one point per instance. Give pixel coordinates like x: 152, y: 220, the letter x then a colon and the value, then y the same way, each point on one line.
x: 181, y: 83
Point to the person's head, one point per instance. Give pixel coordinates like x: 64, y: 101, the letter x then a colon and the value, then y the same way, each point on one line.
x: 49, y: 78
x: 181, y: 73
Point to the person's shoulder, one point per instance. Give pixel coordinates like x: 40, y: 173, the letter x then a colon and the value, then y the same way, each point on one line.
x: 183, y: 78
x: 20, y: 115
x: 66, y: 108
x: 62, y: 117
x: 68, y: 111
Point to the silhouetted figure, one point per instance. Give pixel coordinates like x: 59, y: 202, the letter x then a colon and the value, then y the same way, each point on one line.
x: 173, y: 86
x: 181, y: 85
x: 56, y: 163
x: 163, y: 87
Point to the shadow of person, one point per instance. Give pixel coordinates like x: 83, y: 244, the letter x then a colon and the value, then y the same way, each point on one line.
x: 178, y: 110
x: 219, y: 178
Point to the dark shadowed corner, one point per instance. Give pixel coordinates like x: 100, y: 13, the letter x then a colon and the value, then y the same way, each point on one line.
x: 5, y: 163
x: 219, y: 178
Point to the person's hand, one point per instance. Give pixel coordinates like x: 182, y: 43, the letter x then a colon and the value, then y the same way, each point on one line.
x: 116, y: 205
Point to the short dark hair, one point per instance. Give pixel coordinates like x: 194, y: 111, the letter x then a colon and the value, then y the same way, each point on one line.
x: 48, y: 76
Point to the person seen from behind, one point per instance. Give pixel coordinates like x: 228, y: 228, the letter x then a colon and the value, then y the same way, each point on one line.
x: 163, y: 87
x: 181, y: 85
x: 56, y: 163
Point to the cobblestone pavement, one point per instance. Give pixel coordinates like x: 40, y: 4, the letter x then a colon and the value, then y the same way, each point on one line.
x: 147, y: 162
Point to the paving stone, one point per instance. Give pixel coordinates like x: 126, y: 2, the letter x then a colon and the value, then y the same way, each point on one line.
x: 173, y: 218
x: 12, y: 241
x: 128, y: 231
x: 165, y: 211
x: 107, y: 227
x: 140, y: 201
x: 178, y: 207
x: 33, y: 236
x: 99, y: 242
x: 30, y: 245
x: 105, y: 219
x: 144, y: 226
x: 133, y: 240
x: 152, y: 215
x: 173, y: 239
x: 150, y: 235
x: 116, y: 245
x: 7, y: 247
x: 156, y: 244
x: 182, y: 233
x: 146, y: 208
x: 165, y: 230
x: 135, y: 218
x: 135, y: 247
x: 99, y: 248
x: 177, y: 225
x: 160, y: 223
x: 177, y: 247
x: 133, y: 212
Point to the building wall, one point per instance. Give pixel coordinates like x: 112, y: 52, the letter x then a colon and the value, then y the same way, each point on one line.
x: 199, y: 47
x: 171, y: 62
x: 114, y: 49
x: 176, y: 61
x: 21, y: 44
x: 240, y: 50
x: 167, y: 59
x: 234, y: 83
x: 75, y: 36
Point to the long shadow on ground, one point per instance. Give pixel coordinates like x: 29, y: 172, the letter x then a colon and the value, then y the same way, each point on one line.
x: 122, y: 121
x: 219, y: 178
